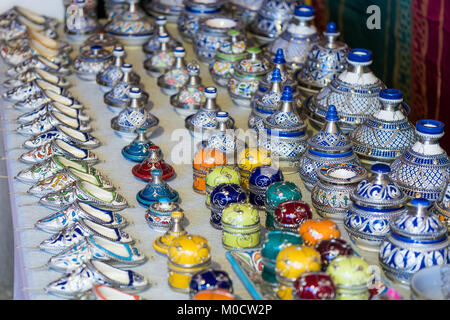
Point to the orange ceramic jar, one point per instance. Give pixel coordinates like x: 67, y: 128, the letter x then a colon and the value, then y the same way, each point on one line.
x: 204, y: 161
x: 214, y: 294
x: 313, y: 231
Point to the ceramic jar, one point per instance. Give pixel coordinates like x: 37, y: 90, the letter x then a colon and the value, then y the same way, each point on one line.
x: 223, y: 139
x: 328, y: 146
x: 161, y: 243
x: 194, y: 10
x: 314, y: 286
x: 331, y: 194
x: 187, y: 255
x: 298, y: 38
x: 229, y: 53
x: 441, y: 207
x: 171, y: 9
x: 260, y: 179
x: 326, y: 60
x: 114, y: 7
x: 177, y: 76
x: 161, y: 60
x: 211, y: 34
x: 78, y: 24
x: 423, y: 170
x: 351, y: 277
x: 210, y: 279
x: 102, y: 39
x: 218, y: 175
x: 313, y: 231
x: 245, y: 79
x: 291, y: 263
x: 249, y: 159
x: 241, y: 227
x: 158, y: 215
x: 277, y: 193
x: 375, y: 203
x: 204, y: 161
x: 291, y: 214
x: 418, y: 239
x: 354, y: 92
x: 330, y: 249
x: 91, y: 62
x: 275, y: 242
x: 154, y: 160
x: 386, y: 134
x: 139, y: 149
x: 155, y: 190
x: 221, y: 197
x: 131, y: 27
x: 153, y: 44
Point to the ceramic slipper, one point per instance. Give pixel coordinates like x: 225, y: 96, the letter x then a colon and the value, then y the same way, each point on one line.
x: 53, y: 106
x: 38, y: 62
x: 34, y: 74
x: 26, y: 90
x: 37, y: 100
x: 102, y: 292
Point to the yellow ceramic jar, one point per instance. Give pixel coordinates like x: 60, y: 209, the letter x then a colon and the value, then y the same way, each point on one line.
x: 249, y: 159
x: 162, y: 243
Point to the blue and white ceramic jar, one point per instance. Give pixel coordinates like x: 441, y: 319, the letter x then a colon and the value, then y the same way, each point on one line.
x: 78, y: 24
x: 91, y: 62
x: 155, y: 190
x: 153, y: 44
x: 171, y: 9
x: 210, y: 279
x: 417, y: 240
x: 375, y: 203
x: 158, y: 215
x: 176, y: 77
x: 221, y: 196
x: 259, y: 181
x: 223, y: 139
x: 329, y: 145
x: 441, y: 207
x: 114, y: 7
x: 162, y: 59
x: 423, y: 170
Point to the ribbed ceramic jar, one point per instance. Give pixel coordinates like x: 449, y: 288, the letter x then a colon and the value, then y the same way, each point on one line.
x: 171, y: 9
x: 374, y: 204
x: 218, y: 175
x: 441, y: 207
x: 260, y: 179
x: 423, y: 170
x: 277, y: 193
x: 331, y: 194
x: 221, y: 197
x: 291, y: 214
x: 249, y: 159
x: 386, y: 134
x: 417, y: 240
x: 328, y: 146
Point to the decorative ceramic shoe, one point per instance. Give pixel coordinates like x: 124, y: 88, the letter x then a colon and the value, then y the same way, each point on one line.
x: 37, y: 62
x: 139, y: 149
x: 290, y: 215
x: 354, y: 92
x: 441, y: 207
x: 158, y: 215
x: 74, y: 113
x: 328, y: 146
x: 134, y: 116
x: 94, y: 247
x: 423, y: 170
x: 33, y: 74
x: 161, y: 243
x: 11, y: 28
x: 417, y: 240
x: 103, y: 292
x: 210, y: 279
x: 168, y: 8
x: 154, y: 160
x: 26, y: 90
x: 37, y: 22
x: 229, y: 53
x: 298, y: 38
x: 277, y: 193
x: 91, y: 62
x: 155, y: 190
x: 82, y: 279
x: 260, y: 179
x: 102, y: 39
x: 174, y: 79
x: 132, y: 27
x: 79, y: 25
x: 218, y: 175
x: 162, y: 59
x: 77, y: 211
x: 326, y: 60
x: 37, y: 100
x: 244, y: 10
x: 223, y: 195
x: 154, y: 44
x: 386, y: 134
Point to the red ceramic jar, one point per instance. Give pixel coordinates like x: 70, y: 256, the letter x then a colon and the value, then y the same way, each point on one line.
x: 290, y: 215
x: 330, y: 249
x: 143, y: 170
x: 314, y: 286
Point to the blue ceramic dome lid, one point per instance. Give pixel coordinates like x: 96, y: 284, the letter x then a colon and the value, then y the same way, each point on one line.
x: 262, y: 177
x: 157, y: 189
x: 225, y: 194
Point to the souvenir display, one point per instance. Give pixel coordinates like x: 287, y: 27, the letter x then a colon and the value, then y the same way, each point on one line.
x: 139, y: 149
x: 221, y: 197
x: 176, y: 77
x: 204, y: 161
x: 244, y: 10
x: 132, y: 27
x: 330, y: 195
x: 218, y: 175
x: 161, y: 243
x: 313, y: 231
x: 441, y: 207
x: 79, y: 25
x: 249, y: 159
x: 326, y: 61
x: 375, y: 202
x: 423, y: 169
x: 168, y: 8
x: 101, y: 39
x: 91, y: 62
x: 159, y: 214
x: 386, y: 134
x: 417, y: 240
x: 275, y: 242
x: 187, y: 255
x: 241, y: 226
x: 155, y: 190
x: 291, y: 214
x: 277, y: 193
x: 162, y: 59
x: 153, y: 44
x: 39, y: 62
x: 314, y: 286
x: 259, y: 180
x: 27, y: 90
x: 328, y: 146
x: 330, y: 249
x: 54, y: 106
x: 210, y: 279
x: 154, y: 160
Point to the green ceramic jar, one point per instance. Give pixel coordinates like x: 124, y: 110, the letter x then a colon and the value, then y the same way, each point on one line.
x: 240, y: 226
x: 274, y: 243
x: 219, y: 175
x: 276, y: 194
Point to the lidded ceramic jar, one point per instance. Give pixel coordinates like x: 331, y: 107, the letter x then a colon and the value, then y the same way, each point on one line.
x: 386, y: 134
x: 292, y: 262
x: 330, y: 249
x: 194, y: 10
x: 284, y: 134
x: 245, y: 79
x: 154, y: 160
x: 313, y: 231
x: 423, y: 170
x: 177, y: 76
x: 229, y: 53
x: 132, y: 27
x: 78, y: 24
x: 158, y: 215
x: 275, y: 242
x: 218, y: 175
x: 211, y: 34
x: 291, y: 214
x: 298, y: 38
x: 354, y: 92
x: 326, y: 60
x: 91, y: 62
x: 277, y: 193
x: 441, y: 207
x: 161, y: 243
x: 204, y: 161
x: 249, y: 159
x: 244, y: 10
x: 223, y: 139
x: 114, y: 7
x: 139, y: 149
x: 314, y: 286
x: 162, y: 59
x: 208, y: 280
x: 418, y: 239
x: 241, y: 226
x: 327, y: 146
x: 375, y: 202
x: 221, y: 197
x: 351, y: 277
x: 191, y: 96
x: 187, y: 255
x: 155, y: 190
x: 168, y: 8
x: 153, y: 44
x: 102, y: 39
x: 260, y: 179
x: 331, y: 193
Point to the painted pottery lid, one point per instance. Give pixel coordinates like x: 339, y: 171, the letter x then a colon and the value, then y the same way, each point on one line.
x: 251, y: 158
x: 133, y: 22
x: 214, y: 294
x: 313, y: 231
x: 157, y: 189
x: 271, y: 99
x: 253, y: 65
x: 210, y: 279
x: 223, y: 174
x: 233, y: 49
x: 206, y: 159
x: 314, y: 286
x: 189, y: 251
x: 281, y: 191
x: 240, y: 215
x: 278, y: 240
x: 341, y: 173
x: 95, y: 54
x: 349, y: 271
x: 222, y: 139
x: 294, y: 260
x: 330, y: 249
x: 164, y: 207
x: 263, y: 176
x: 154, y: 160
x: 225, y: 194
x: 292, y: 213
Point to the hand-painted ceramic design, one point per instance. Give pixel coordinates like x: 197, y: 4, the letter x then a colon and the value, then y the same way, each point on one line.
x: 155, y: 190
x: 153, y: 44
x: 79, y: 25
x: 158, y: 215
x: 101, y: 39
x: 204, y: 161
x: 161, y: 243
x: 174, y: 79
x: 222, y: 196
x: 91, y: 62
x: 259, y: 180
x: 154, y: 160
x: 218, y: 175
x: 313, y: 231
x: 39, y: 62
x: 441, y: 207
x: 27, y: 90
x: 223, y: 139
x: 208, y: 280
x: 277, y: 193
x: 244, y: 10
x: 314, y: 286
x: 139, y: 149
x: 114, y: 8
x: 160, y: 61
x: 330, y: 249
x: 291, y: 214
x: 249, y: 159
x: 171, y: 9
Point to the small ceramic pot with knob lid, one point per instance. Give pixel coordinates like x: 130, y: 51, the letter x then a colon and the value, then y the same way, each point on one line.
x: 153, y: 44
x: 204, y: 161
x: 78, y: 24
x: 221, y: 197
x: 139, y: 149
x: 313, y: 231
x: 330, y: 249
x: 154, y: 160
x: 102, y: 39
x: 210, y: 279
x: 171, y: 9
x: 162, y: 59
x: 218, y: 175
x: 291, y: 214
x: 249, y: 159
x: 314, y: 286
x: 277, y: 193
x: 223, y: 139
x: 260, y: 179
x: 161, y: 243
x: 158, y: 215
x: 176, y: 77
x: 155, y: 190
x: 91, y: 62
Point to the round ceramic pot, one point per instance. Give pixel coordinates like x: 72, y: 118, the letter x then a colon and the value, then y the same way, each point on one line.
x: 260, y: 179
x: 290, y: 215
x: 221, y: 197
x: 210, y: 280
x: 91, y: 62
x: 314, y: 286
x: 204, y: 161
x: 218, y: 175
x: 330, y: 249
x: 158, y: 215
x: 277, y: 193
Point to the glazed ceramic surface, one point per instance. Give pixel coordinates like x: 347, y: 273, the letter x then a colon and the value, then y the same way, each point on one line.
x: 314, y: 286
x: 162, y: 59
x: 330, y: 249
x: 291, y: 214
x: 168, y: 8
x: 153, y: 44
x: 204, y: 161
x: 441, y: 207
x: 260, y: 179
x: 78, y: 24
x: 208, y: 280
x: 313, y: 231
x: 277, y: 193
x: 218, y: 175
x: 155, y: 190
x: 249, y: 159
x: 223, y: 195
